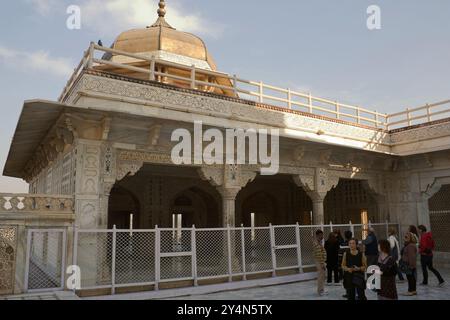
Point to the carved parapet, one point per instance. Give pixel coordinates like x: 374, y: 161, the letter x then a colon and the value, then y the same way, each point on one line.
x: 15, y: 203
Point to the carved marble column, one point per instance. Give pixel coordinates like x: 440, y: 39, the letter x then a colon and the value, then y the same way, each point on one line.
x: 229, y: 205
x: 229, y: 180
x: 318, y: 212
x: 91, y: 206
x: 316, y: 183
x: 90, y: 213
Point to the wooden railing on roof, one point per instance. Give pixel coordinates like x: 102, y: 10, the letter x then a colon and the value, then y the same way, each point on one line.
x: 255, y: 91
x: 420, y: 115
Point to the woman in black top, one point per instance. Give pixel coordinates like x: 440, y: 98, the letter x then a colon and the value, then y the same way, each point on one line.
x: 332, y: 248
x: 354, y: 264
x: 339, y: 237
x: 388, y: 268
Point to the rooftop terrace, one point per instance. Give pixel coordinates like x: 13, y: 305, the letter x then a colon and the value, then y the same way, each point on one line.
x: 189, y: 76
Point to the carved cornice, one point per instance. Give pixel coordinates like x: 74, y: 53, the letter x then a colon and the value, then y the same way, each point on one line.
x: 421, y: 133
x: 238, y: 109
x: 147, y: 157
x: 52, y: 146
x: 321, y: 180
x: 130, y: 162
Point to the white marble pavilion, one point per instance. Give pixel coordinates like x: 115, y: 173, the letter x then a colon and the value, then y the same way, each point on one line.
x: 102, y: 152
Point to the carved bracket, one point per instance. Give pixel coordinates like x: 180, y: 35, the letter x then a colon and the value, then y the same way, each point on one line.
x: 228, y: 176
x: 212, y: 174
x: 129, y: 168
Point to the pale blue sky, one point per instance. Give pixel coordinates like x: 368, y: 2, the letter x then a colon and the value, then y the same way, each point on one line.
x: 315, y: 45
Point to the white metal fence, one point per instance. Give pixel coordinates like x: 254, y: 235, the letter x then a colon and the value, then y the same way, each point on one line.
x: 136, y: 258
x: 45, y: 260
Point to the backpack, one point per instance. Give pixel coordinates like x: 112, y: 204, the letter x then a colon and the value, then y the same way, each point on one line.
x: 394, y: 252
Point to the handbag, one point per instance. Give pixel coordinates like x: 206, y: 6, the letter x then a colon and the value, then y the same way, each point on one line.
x: 405, y: 268
x: 358, y: 280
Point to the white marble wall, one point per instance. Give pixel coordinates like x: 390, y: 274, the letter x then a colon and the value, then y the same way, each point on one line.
x: 58, y: 177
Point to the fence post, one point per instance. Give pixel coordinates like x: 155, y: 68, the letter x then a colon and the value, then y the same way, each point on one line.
x: 63, y: 260
x: 193, y: 76
x: 273, y: 248
x: 75, y: 249
x: 113, y: 261
x: 310, y: 102
x: 27, y: 261
x: 194, y: 256
x: 152, y: 68
x: 235, y: 81
x: 157, y: 257
x: 428, y: 113
x: 299, y: 248
x: 352, y: 229
x: 386, y: 120
x: 230, y: 263
x: 261, y: 92
x: 75, y: 246
x: 244, y: 267
x: 289, y: 98
x: 85, y: 59
x: 408, y: 116
x: 331, y: 226
x: 338, y: 114
x: 91, y: 55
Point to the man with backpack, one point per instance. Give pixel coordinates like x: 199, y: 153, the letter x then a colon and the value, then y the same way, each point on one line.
x: 395, y: 251
x: 371, y: 247
x: 426, y: 248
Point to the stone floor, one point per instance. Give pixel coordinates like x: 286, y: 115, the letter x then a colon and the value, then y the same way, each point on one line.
x: 307, y: 291
x: 60, y: 295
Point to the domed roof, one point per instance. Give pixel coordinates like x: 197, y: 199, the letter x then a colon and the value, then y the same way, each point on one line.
x: 162, y: 37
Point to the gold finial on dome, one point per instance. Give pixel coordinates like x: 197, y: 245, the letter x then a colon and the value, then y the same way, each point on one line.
x: 161, y: 22
x: 162, y: 9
